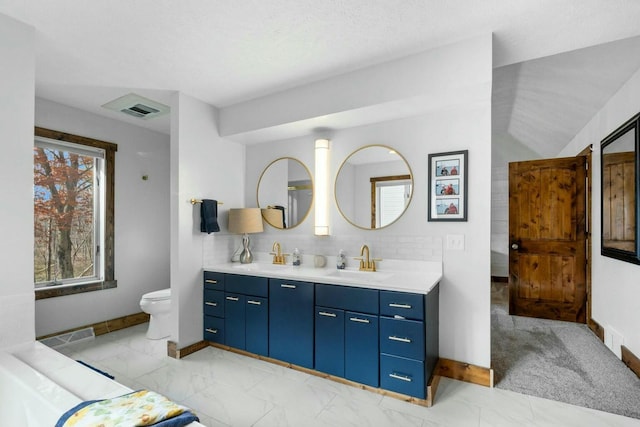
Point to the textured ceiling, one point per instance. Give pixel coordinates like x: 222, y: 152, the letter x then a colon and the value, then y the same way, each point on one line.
x: 224, y: 52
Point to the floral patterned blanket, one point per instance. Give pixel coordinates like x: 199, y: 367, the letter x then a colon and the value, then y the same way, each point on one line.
x: 140, y: 408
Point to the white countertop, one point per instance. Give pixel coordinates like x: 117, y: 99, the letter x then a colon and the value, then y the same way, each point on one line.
x: 396, y: 275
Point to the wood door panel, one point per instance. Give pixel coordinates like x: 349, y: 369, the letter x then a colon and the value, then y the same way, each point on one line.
x: 547, y: 264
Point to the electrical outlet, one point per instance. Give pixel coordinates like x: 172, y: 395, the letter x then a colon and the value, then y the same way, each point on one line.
x: 455, y: 242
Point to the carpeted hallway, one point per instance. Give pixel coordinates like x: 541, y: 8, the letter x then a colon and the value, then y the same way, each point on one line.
x: 557, y: 360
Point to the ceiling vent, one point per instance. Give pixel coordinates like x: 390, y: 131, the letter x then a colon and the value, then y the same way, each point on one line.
x: 137, y: 106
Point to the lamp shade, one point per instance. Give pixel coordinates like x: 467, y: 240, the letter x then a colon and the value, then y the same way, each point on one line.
x: 245, y: 220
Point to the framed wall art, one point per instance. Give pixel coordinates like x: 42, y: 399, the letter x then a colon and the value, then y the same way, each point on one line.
x: 448, y: 186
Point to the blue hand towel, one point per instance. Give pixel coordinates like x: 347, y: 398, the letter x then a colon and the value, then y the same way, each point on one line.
x: 209, y: 216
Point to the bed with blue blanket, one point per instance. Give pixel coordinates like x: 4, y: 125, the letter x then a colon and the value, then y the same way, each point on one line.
x: 139, y: 408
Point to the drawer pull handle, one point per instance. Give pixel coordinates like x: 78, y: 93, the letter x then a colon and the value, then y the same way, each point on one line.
x: 213, y: 304
x: 394, y: 305
x: 233, y: 298
x: 213, y: 331
x: 284, y: 285
x: 324, y: 313
x: 394, y: 338
x: 400, y: 377
x: 214, y: 282
x: 357, y: 319
x: 254, y: 302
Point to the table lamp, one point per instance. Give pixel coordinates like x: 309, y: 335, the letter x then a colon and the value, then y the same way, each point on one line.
x: 244, y: 221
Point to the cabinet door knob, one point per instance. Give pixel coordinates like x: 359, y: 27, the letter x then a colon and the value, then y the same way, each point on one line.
x: 400, y: 377
x: 324, y: 313
x: 394, y: 338
x: 233, y: 298
x: 395, y: 305
x: 284, y: 285
x: 214, y: 304
x: 514, y: 246
x: 254, y: 302
x: 357, y: 319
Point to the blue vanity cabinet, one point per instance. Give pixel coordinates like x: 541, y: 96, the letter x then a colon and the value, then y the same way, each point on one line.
x: 235, y: 321
x: 257, y: 325
x: 409, y: 344
x: 213, y: 307
x: 361, y: 353
x: 291, y: 317
x: 347, y: 344
x: 246, y: 313
x: 329, y: 341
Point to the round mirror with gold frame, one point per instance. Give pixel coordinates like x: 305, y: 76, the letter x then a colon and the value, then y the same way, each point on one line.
x: 373, y: 187
x: 285, y: 193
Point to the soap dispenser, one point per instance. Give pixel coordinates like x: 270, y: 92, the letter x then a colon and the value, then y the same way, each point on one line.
x: 295, y: 257
x: 341, y: 261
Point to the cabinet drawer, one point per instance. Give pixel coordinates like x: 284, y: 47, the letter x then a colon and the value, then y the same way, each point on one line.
x: 214, y: 281
x: 347, y: 298
x: 214, y: 329
x: 402, y: 337
x: 247, y: 285
x: 402, y: 375
x: 403, y: 304
x: 213, y: 303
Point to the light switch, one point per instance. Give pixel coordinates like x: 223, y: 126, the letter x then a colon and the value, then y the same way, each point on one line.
x: 455, y: 242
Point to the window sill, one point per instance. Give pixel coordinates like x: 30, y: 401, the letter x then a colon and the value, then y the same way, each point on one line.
x: 61, y: 291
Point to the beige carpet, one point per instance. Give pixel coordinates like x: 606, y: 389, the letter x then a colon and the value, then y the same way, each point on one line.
x: 561, y: 361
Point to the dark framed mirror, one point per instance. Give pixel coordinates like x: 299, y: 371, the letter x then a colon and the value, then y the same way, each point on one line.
x: 619, y: 166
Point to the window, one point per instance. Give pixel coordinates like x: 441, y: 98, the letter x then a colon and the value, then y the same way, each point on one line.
x: 73, y: 214
x: 389, y: 198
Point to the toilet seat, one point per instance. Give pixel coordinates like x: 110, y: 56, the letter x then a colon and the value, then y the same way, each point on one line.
x: 161, y: 295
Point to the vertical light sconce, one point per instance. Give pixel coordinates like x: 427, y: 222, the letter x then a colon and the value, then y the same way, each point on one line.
x: 321, y: 192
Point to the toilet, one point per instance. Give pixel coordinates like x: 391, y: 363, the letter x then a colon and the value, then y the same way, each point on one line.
x: 158, y: 305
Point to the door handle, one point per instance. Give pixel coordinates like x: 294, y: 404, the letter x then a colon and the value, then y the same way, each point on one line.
x: 515, y: 246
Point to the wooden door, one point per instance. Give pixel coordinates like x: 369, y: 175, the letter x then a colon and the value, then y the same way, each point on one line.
x: 547, y: 256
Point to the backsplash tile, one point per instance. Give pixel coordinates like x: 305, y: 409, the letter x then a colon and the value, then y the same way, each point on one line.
x: 220, y: 247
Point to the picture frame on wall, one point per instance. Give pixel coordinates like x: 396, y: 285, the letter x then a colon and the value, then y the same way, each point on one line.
x: 447, y: 199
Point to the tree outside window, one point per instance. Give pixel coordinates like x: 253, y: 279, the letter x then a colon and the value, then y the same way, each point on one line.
x: 73, y: 192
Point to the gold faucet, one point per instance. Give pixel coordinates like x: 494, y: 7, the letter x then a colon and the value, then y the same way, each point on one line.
x: 367, y: 264
x: 278, y: 257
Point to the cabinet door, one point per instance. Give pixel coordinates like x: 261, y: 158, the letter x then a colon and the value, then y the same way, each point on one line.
x: 257, y: 325
x: 329, y: 351
x: 361, y: 348
x: 234, y: 321
x: 291, y: 321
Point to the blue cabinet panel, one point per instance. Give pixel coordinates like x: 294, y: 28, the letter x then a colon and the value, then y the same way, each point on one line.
x: 403, y: 304
x: 247, y: 285
x: 361, y: 300
x: 214, y: 281
x: 329, y: 348
x: 214, y: 329
x: 402, y: 337
x: 361, y: 348
x: 234, y: 321
x: 291, y: 321
x: 402, y: 375
x: 213, y: 303
x: 257, y: 325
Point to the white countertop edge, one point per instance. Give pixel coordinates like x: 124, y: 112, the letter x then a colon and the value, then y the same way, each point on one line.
x: 416, y: 279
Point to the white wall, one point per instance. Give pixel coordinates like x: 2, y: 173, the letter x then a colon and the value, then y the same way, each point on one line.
x: 615, y: 285
x: 16, y: 182
x: 464, y: 297
x: 141, y: 219
x: 203, y: 165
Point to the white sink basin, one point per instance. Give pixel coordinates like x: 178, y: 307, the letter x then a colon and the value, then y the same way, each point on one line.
x: 361, y: 276
x: 259, y: 267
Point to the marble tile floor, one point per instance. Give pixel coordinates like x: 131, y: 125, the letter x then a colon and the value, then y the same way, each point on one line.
x: 227, y: 389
